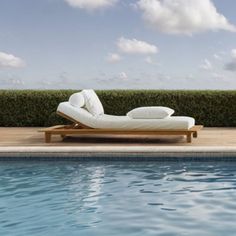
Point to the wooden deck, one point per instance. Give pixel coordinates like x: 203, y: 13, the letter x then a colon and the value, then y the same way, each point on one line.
x: 31, y: 137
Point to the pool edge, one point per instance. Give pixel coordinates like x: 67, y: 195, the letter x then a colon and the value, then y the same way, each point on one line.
x: 119, y: 153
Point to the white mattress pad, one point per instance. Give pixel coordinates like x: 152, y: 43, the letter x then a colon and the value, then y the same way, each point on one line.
x: 124, y: 122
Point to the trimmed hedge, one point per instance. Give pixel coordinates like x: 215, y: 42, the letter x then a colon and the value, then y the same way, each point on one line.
x: 37, y: 108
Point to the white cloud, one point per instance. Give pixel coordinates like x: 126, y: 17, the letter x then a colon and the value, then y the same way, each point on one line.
x: 206, y: 65
x: 114, y: 58
x: 11, y: 81
x: 9, y: 60
x: 134, y: 46
x: 123, y: 76
x: 91, y: 5
x: 217, y: 57
x: 183, y: 16
x: 233, y: 53
x: 231, y: 66
x: 217, y: 75
x: 148, y: 60
x: 190, y: 76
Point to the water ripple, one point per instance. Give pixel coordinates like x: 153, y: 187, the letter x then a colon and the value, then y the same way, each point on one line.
x: 117, y: 199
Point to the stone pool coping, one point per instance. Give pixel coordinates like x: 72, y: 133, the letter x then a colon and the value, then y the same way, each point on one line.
x: 118, y: 153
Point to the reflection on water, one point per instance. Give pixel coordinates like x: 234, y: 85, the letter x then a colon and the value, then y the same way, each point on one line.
x: 117, y: 198
x: 85, y: 193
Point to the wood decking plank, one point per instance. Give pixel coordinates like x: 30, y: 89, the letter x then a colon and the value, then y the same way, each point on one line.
x: 28, y: 136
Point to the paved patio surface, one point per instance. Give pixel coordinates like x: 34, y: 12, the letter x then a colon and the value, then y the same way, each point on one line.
x: 31, y: 137
x: 28, y: 142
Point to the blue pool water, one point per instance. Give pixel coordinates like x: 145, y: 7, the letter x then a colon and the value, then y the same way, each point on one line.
x: 161, y: 198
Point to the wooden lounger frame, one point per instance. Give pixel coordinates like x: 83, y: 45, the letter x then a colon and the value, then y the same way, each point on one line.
x: 78, y: 128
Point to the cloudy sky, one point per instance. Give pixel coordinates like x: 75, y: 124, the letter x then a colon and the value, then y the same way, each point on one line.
x: 118, y: 44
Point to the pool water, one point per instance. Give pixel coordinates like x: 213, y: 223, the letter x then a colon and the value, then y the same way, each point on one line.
x: 117, y: 198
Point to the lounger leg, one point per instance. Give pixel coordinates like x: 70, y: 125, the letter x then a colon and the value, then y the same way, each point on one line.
x: 189, y: 138
x: 47, y: 137
x: 195, y: 134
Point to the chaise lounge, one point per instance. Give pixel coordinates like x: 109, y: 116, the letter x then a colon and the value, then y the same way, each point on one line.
x: 86, y: 112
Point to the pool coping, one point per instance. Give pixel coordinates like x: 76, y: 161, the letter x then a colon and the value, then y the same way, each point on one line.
x: 118, y: 153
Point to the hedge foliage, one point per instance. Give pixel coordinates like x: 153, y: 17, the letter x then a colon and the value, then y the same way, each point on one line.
x: 37, y: 108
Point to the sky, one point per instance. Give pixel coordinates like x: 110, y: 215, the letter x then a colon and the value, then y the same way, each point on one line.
x: 118, y: 44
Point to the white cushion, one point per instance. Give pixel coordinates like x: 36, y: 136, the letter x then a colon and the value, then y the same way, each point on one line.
x: 77, y: 100
x: 150, y: 112
x: 124, y: 122
x: 92, y: 102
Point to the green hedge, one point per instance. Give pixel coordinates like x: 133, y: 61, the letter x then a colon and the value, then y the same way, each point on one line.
x: 37, y: 108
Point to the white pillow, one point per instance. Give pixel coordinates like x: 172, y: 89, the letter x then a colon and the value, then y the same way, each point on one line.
x: 92, y: 102
x: 150, y: 112
x: 77, y: 100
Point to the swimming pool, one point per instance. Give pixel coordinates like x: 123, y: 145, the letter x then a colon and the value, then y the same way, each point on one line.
x: 117, y: 198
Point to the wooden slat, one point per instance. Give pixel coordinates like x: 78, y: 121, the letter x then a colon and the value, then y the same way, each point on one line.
x: 52, y: 128
x: 73, y: 120
x: 58, y: 130
x: 196, y: 128
x: 64, y: 130
x: 100, y: 131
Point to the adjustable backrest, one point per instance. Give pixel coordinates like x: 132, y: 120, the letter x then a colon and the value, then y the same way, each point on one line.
x: 92, y: 102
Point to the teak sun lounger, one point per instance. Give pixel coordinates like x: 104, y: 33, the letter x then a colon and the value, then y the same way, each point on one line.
x: 91, y: 120
x: 65, y: 130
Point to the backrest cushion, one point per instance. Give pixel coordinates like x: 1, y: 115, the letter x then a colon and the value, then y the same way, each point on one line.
x: 77, y: 100
x: 92, y: 102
